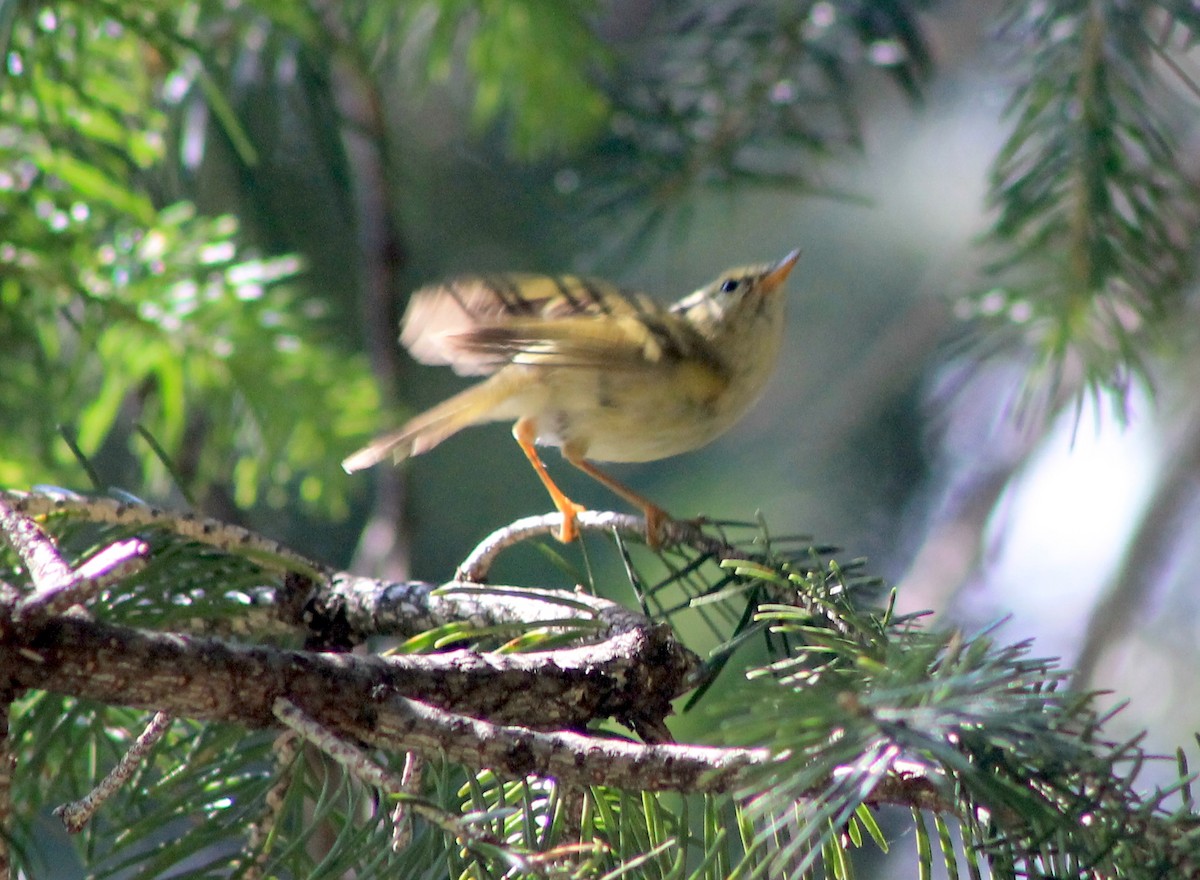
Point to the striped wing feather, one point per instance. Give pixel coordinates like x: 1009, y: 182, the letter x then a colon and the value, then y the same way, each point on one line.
x: 479, y: 324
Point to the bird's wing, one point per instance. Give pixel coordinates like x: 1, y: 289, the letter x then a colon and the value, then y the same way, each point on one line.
x: 478, y: 324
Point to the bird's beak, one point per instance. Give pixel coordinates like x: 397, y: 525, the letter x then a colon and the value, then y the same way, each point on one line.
x: 780, y: 271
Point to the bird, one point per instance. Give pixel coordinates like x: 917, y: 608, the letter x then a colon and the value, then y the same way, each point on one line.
x: 603, y: 373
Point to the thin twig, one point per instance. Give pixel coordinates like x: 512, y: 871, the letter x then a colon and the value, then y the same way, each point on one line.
x: 115, y: 562
x: 571, y: 758
x: 351, y: 757
x: 112, y: 564
x: 76, y: 814
x: 368, y: 608
x: 673, y: 533
x: 410, y: 779
x: 362, y: 767
x: 256, y: 851
x: 37, y: 551
x: 584, y: 759
x: 58, y: 586
x: 231, y: 538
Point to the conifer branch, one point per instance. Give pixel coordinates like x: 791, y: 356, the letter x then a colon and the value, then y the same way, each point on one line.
x: 859, y: 708
x: 1095, y: 204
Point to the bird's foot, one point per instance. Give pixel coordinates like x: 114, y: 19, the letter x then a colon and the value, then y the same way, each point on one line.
x: 657, y: 520
x: 569, y: 530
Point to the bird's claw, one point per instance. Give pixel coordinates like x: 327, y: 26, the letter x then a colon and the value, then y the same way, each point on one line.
x: 569, y: 530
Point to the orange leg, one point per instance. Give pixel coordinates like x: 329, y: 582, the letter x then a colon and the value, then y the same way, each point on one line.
x: 525, y: 434
x: 655, y: 515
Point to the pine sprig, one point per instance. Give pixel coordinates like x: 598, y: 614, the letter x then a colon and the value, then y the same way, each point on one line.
x: 1020, y: 763
x: 721, y: 93
x: 1095, y: 208
x: 118, y: 309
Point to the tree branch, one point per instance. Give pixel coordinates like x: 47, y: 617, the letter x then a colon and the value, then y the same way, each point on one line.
x: 674, y: 533
x: 77, y: 814
x: 517, y: 714
x: 569, y: 757
x: 629, y: 676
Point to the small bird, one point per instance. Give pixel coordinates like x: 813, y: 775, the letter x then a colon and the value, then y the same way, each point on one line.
x: 604, y: 374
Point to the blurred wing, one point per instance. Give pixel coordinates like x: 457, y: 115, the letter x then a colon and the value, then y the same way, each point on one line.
x: 479, y: 324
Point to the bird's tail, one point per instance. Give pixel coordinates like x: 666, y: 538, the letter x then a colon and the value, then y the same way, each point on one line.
x: 421, y: 433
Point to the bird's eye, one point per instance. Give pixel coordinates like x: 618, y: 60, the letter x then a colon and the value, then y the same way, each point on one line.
x: 729, y: 285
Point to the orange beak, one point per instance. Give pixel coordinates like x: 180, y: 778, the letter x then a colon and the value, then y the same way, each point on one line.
x: 781, y: 270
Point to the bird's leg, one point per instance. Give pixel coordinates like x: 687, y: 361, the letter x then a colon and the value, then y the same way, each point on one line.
x: 525, y: 434
x: 656, y: 517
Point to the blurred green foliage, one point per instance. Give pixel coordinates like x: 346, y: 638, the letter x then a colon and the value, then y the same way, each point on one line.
x: 118, y: 310
x: 1095, y: 211
x: 531, y: 66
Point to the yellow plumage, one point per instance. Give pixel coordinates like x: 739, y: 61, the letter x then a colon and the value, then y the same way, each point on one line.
x: 605, y: 374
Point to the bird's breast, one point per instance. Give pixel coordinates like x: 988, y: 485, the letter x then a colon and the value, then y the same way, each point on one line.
x: 635, y: 415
